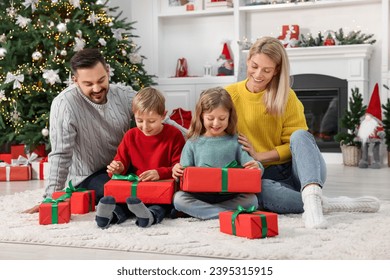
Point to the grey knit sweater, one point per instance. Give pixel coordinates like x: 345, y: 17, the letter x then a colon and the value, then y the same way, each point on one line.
x: 84, y: 136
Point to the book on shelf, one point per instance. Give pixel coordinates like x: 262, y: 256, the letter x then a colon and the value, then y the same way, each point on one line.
x: 218, y: 4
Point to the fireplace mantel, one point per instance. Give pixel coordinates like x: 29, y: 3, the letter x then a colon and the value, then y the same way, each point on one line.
x: 349, y: 62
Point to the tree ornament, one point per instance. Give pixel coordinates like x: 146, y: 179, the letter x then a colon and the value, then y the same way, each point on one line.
x: 63, y: 52
x: 3, y: 52
x: 45, y: 132
x: 124, y: 52
x: 3, y: 38
x: 61, y: 27
x: 36, y: 55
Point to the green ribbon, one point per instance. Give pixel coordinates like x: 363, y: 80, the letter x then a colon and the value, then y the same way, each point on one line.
x: 54, y: 206
x: 240, y: 210
x: 130, y: 177
x: 224, y: 169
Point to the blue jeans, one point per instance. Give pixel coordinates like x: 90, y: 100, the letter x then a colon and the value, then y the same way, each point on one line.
x: 208, y: 206
x: 96, y: 182
x: 282, y: 184
x: 122, y: 212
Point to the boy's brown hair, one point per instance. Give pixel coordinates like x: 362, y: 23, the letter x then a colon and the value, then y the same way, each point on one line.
x: 149, y: 99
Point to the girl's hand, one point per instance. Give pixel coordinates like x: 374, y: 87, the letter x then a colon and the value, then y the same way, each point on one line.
x: 177, y: 171
x: 115, y: 167
x: 251, y: 165
x: 246, y: 145
x: 149, y: 175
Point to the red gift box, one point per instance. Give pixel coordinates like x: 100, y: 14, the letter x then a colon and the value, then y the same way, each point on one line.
x: 258, y: 224
x: 211, y: 179
x: 81, y: 202
x: 6, y: 158
x: 15, y: 173
x: 151, y: 192
x: 19, y: 150
x: 54, y: 213
x: 290, y: 35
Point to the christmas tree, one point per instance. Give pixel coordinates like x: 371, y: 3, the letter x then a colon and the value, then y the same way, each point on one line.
x: 37, y: 40
x: 351, y: 120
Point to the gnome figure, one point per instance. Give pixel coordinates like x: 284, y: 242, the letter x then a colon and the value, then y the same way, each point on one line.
x: 227, y: 67
x: 370, y: 131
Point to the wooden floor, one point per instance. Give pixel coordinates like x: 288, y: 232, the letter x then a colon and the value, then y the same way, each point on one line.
x: 342, y: 181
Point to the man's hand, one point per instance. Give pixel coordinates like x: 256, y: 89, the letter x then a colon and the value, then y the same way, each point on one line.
x: 32, y: 210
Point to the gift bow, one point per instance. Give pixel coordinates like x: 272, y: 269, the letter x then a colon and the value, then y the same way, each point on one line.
x: 17, y: 79
x: 54, y: 206
x: 26, y: 161
x: 130, y: 177
x: 240, y: 210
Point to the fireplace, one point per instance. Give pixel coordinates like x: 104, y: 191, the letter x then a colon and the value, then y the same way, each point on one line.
x: 325, y: 101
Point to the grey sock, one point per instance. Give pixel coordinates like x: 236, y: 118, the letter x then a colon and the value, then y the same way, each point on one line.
x: 144, y: 215
x: 104, y: 211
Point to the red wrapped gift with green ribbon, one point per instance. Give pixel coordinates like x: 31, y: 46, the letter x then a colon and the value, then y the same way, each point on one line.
x: 55, y: 211
x: 231, y: 178
x: 249, y: 223
x: 150, y: 192
x: 82, y: 200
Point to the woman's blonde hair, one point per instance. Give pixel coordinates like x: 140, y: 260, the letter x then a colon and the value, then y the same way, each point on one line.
x: 278, y: 89
x: 209, y: 100
x: 149, y: 100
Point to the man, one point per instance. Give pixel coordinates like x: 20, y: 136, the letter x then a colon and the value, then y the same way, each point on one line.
x: 87, y: 122
x: 371, y: 131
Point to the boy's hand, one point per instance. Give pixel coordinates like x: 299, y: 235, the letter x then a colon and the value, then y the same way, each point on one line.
x: 115, y: 167
x: 177, y: 171
x: 150, y: 175
x: 251, y: 165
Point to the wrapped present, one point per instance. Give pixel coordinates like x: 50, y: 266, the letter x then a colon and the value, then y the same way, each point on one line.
x: 14, y: 173
x: 151, y: 192
x: 5, y: 158
x: 40, y: 169
x: 226, y: 179
x: 82, y: 200
x: 55, y: 211
x: 290, y: 36
x: 20, y: 150
x: 249, y: 223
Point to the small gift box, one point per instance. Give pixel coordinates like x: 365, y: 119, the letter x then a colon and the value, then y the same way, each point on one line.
x: 20, y: 150
x: 151, y: 192
x: 249, y: 223
x: 54, y: 211
x: 5, y: 158
x: 82, y: 200
x: 226, y: 179
x: 14, y: 173
x: 40, y: 169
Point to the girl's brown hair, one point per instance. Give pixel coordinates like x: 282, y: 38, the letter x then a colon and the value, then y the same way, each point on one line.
x: 209, y: 100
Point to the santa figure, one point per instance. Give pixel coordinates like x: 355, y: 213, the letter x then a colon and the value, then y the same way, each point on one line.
x: 371, y: 131
x: 227, y: 67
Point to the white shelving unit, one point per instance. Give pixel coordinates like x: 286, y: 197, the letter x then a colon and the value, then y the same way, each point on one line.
x: 199, y: 35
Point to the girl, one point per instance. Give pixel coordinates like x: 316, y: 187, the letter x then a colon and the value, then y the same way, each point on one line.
x: 212, y: 141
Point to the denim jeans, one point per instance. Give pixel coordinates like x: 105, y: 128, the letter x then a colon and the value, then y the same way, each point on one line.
x: 208, y: 206
x: 282, y: 184
x: 96, y: 182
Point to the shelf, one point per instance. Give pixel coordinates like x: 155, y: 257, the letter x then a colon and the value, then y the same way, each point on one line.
x: 197, y: 80
x: 305, y: 5
x: 198, y: 13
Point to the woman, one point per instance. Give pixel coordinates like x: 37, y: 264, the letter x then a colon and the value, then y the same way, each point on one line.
x: 273, y: 129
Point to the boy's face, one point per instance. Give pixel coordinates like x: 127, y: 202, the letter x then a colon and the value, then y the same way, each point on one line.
x: 93, y: 83
x: 150, y: 123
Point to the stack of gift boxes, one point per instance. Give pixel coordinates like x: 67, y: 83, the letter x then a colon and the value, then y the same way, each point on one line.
x: 17, y: 166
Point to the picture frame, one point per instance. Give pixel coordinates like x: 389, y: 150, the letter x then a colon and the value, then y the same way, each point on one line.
x: 179, y: 6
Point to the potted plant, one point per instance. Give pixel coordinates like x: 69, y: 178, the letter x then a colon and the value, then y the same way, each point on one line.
x: 350, y: 146
x: 386, y: 126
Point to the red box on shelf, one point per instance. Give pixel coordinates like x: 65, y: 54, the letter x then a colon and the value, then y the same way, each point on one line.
x: 15, y: 173
x: 249, y: 225
x: 53, y: 213
x: 151, y: 192
x: 81, y: 202
x: 211, y: 179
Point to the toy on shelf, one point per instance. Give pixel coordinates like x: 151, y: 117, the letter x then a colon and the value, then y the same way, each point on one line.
x: 227, y: 67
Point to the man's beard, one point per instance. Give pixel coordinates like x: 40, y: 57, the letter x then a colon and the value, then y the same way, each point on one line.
x: 367, y: 127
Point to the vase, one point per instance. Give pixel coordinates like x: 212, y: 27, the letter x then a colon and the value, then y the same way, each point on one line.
x: 351, y: 155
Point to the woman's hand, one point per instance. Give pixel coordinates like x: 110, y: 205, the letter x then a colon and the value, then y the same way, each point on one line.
x: 251, y: 165
x: 149, y: 175
x: 115, y: 167
x: 247, y: 146
x: 177, y: 171
x: 32, y: 210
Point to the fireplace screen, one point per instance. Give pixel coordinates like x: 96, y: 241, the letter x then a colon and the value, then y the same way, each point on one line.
x: 325, y: 101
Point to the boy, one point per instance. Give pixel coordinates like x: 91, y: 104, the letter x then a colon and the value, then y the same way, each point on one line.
x: 149, y: 150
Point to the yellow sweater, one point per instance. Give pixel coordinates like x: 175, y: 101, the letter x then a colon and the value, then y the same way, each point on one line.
x: 264, y: 131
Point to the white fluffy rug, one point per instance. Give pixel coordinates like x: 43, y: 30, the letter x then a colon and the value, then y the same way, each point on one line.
x: 349, y: 236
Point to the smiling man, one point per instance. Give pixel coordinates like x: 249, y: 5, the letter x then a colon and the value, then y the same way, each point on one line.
x: 87, y: 122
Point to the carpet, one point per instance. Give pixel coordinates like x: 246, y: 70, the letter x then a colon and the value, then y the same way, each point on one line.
x: 353, y: 236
